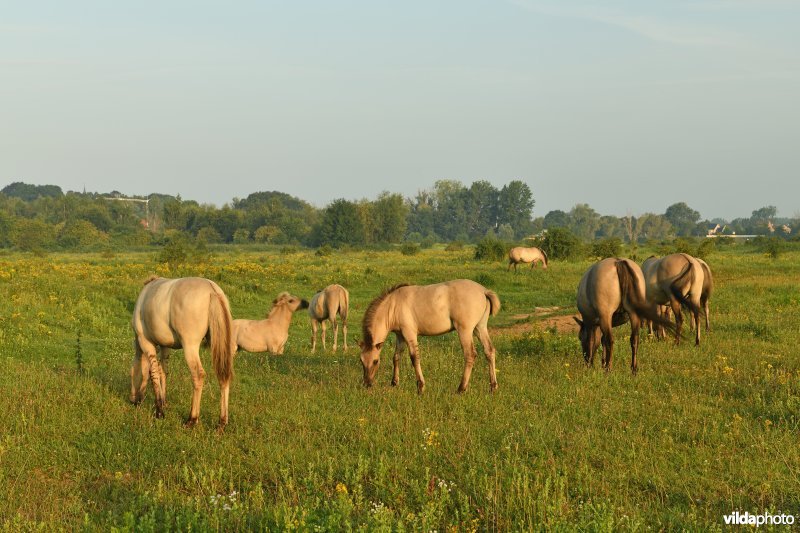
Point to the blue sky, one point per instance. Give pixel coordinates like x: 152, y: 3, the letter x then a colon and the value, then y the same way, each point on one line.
x: 628, y: 106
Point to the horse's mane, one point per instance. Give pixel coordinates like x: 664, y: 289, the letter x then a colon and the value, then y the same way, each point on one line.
x: 278, y: 299
x: 369, y: 314
x: 152, y: 277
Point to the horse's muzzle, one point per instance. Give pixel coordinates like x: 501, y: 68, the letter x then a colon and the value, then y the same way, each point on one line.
x: 303, y: 304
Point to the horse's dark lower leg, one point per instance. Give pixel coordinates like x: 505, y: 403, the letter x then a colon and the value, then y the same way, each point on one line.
x: 635, y: 325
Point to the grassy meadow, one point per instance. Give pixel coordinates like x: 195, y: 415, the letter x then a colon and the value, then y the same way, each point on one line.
x: 698, y: 433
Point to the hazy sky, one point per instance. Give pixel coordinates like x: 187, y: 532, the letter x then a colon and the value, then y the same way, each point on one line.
x: 629, y: 106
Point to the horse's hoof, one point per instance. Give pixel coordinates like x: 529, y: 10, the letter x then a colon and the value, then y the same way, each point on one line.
x: 492, y: 387
x: 221, y: 427
x: 395, y: 383
x: 190, y: 423
x: 461, y: 390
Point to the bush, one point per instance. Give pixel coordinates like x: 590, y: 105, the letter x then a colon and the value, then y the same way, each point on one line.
x: 427, y: 242
x: 774, y: 247
x: 490, y: 249
x: 706, y: 247
x: 561, y: 243
x: 289, y: 249
x: 683, y: 246
x: 324, y: 251
x: 455, y: 246
x: 209, y: 235
x: 175, y: 251
x: 608, y: 247
x: 409, y: 248
x: 241, y: 236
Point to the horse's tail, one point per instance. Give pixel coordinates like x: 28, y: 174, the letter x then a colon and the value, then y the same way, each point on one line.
x: 344, y: 305
x: 221, y: 329
x: 494, y: 302
x: 633, y: 298
x: 544, y: 254
x: 687, y: 274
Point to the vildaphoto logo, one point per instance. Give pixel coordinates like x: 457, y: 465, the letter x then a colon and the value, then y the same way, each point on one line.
x: 764, y: 519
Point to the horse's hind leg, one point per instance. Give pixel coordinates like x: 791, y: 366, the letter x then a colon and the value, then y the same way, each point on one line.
x: 154, y: 370
x: 705, y: 308
x: 635, y: 326
x: 468, y: 347
x: 344, y: 331
x: 313, y: 335
x: 192, y: 354
x: 676, y: 310
x: 608, y: 343
x: 489, y: 352
x: 140, y: 374
x: 165, y: 353
x: 324, y: 325
x: 399, y: 346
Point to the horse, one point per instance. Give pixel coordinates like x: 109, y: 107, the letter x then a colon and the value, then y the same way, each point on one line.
x: 410, y: 310
x: 268, y: 335
x: 677, y: 280
x: 181, y: 313
x: 611, y: 293
x: 324, y: 306
x: 521, y: 254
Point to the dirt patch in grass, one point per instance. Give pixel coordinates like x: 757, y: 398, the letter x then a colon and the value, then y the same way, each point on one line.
x: 541, y: 318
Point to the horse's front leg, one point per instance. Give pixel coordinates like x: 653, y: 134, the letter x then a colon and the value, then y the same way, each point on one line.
x: 413, y: 350
x: 313, y: 335
x: 400, y: 345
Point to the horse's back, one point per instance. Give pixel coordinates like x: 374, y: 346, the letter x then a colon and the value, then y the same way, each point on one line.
x: 521, y: 254
x: 167, y: 310
x: 460, y: 301
x: 599, y: 291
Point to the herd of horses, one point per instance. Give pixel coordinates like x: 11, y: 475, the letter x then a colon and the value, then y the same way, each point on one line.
x: 183, y: 313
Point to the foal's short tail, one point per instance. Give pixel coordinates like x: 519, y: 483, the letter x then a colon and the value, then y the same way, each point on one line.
x: 636, y: 300
x: 685, y: 275
x: 220, y: 328
x: 544, y: 254
x: 494, y: 302
x: 344, y: 306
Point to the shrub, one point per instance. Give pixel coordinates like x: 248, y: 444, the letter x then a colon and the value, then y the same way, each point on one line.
x: 175, y: 251
x: 455, y: 246
x: 484, y: 279
x: 266, y: 234
x: 289, y: 249
x: 490, y: 249
x: 241, y: 236
x: 774, y: 247
x: 324, y: 251
x: 209, y: 235
x: 409, y: 248
x: 608, y: 247
x: 427, y: 242
x: 561, y: 243
x: 705, y: 248
x: 683, y: 246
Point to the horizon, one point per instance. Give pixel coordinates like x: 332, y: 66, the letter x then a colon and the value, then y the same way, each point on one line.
x: 624, y: 107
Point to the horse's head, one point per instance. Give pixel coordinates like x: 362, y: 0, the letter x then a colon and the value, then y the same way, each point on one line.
x: 293, y: 303
x: 588, y: 338
x: 371, y: 359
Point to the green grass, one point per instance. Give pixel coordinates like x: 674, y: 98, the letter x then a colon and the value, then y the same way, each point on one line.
x: 699, y: 432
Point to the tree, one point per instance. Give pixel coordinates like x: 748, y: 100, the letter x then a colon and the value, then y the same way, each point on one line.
x: 515, y: 206
x: 584, y: 221
x: 340, y: 224
x: 683, y: 218
x: 651, y: 226
x: 30, y: 192
x: 481, y: 206
x: 388, y: 217
x: 556, y: 219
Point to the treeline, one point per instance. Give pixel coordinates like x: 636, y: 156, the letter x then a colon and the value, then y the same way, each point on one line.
x: 44, y: 217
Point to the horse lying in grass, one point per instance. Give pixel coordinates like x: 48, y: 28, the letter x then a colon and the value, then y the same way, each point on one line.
x: 676, y: 280
x: 325, y: 305
x: 521, y: 254
x: 411, y: 310
x: 611, y: 293
x: 181, y: 313
x: 268, y: 335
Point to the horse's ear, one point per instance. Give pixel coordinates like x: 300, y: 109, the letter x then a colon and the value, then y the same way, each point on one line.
x: 379, y: 345
x: 360, y: 344
x: 578, y: 320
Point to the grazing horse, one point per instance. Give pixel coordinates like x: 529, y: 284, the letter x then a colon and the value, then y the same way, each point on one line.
x: 677, y: 280
x: 268, y: 335
x: 410, y: 310
x: 526, y: 255
x: 324, y: 306
x: 611, y: 293
x: 663, y: 310
x: 180, y: 313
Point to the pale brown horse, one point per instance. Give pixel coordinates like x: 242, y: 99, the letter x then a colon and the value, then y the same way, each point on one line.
x: 411, y: 310
x: 610, y: 294
x: 677, y: 280
x: 268, y: 335
x: 181, y: 313
x: 663, y: 310
x: 521, y: 254
x: 325, y: 305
